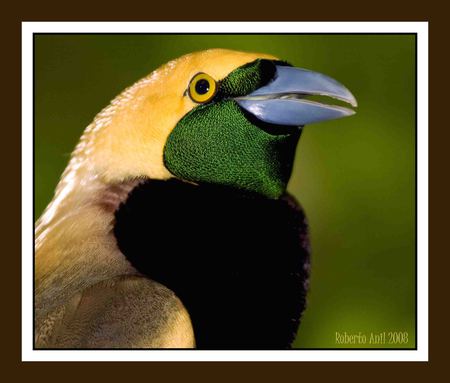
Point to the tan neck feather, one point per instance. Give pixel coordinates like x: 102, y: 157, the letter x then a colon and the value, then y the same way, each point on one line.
x: 74, y: 244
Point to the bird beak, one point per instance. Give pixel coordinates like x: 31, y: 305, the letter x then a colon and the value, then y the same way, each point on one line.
x: 283, y: 100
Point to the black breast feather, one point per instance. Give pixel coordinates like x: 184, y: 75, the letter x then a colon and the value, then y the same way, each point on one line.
x: 239, y: 262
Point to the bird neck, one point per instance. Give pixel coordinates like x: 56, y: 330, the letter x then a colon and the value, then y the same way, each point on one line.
x: 74, y: 242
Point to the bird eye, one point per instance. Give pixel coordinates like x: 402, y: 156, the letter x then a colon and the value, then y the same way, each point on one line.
x: 202, y: 88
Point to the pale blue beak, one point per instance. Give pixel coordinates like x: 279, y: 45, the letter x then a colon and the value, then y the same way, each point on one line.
x: 282, y: 101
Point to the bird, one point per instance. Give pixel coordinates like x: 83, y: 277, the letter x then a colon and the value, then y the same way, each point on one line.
x: 171, y: 226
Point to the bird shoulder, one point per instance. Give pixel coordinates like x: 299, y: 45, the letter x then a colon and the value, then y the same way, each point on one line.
x: 123, y: 312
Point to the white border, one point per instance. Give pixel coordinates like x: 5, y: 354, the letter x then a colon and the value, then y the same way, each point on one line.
x: 28, y: 28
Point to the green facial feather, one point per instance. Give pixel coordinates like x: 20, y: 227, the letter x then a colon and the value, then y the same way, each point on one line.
x: 217, y: 143
x: 246, y: 79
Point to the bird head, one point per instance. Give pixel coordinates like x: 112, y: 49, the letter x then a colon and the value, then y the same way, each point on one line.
x: 214, y: 117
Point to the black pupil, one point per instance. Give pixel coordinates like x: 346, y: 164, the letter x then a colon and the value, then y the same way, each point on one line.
x: 202, y: 86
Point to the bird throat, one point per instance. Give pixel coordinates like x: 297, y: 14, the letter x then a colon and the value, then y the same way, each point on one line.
x: 220, y: 144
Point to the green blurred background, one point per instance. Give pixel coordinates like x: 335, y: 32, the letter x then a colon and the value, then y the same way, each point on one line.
x: 354, y: 177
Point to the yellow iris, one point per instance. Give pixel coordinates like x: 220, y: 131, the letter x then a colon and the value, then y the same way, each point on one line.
x: 202, y: 88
